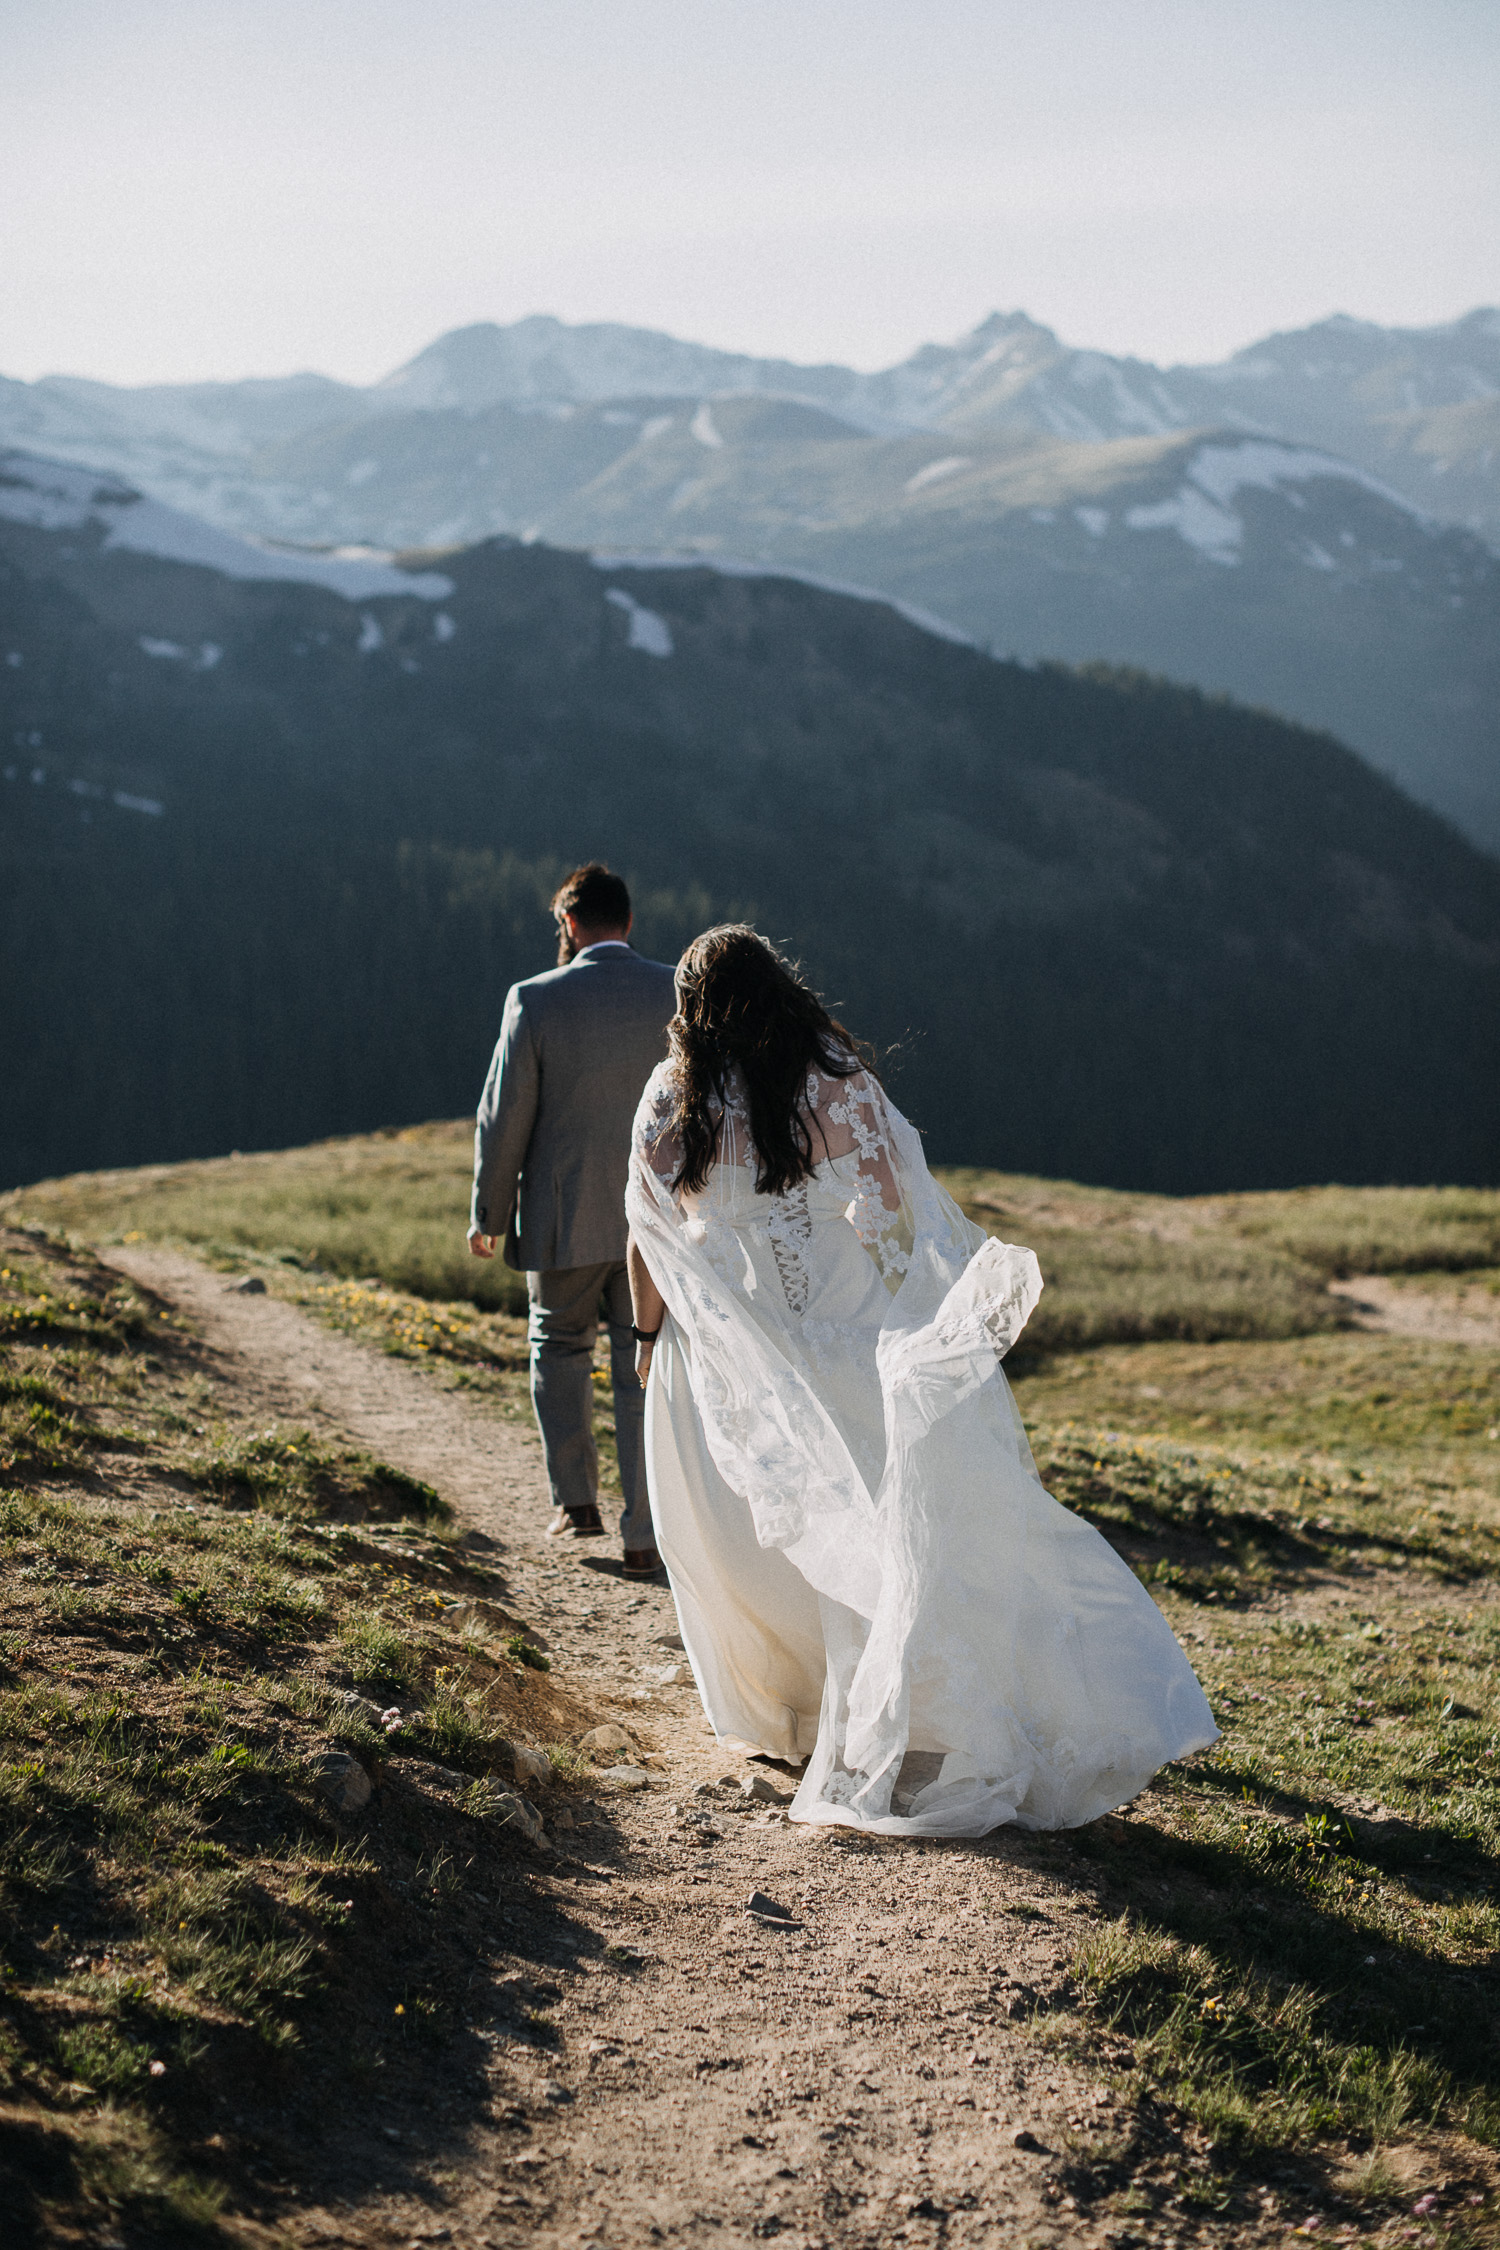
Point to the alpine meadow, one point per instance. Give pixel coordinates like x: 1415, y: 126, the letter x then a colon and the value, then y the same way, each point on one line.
x: 1114, y: 747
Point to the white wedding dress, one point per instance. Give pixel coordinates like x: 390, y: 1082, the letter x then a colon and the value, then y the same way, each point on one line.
x: 868, y: 1573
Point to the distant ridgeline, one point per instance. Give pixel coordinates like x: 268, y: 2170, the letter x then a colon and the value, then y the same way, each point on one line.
x: 1311, y: 527
x: 277, y: 831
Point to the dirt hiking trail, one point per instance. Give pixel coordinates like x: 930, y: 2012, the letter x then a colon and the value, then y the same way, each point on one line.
x: 866, y: 2073
x: 1458, y: 1313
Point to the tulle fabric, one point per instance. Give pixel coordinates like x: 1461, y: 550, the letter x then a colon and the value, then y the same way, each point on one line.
x: 868, y: 1571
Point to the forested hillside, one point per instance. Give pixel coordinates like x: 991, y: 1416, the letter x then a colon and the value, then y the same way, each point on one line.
x: 271, y: 855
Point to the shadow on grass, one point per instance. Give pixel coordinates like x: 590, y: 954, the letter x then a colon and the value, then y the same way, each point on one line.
x: 1252, y: 1996
x: 420, y: 1947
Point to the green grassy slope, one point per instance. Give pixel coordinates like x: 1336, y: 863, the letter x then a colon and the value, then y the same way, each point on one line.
x: 1119, y: 1268
x: 201, y: 1949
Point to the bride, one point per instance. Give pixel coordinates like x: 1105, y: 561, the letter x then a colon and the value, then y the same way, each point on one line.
x: 868, y: 1573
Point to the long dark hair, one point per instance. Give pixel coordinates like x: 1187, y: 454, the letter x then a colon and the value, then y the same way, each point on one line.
x: 740, y: 1005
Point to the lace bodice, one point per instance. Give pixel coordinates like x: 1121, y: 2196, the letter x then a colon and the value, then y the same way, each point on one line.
x: 854, y: 1177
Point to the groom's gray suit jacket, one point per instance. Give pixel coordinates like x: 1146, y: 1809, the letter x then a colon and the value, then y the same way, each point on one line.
x: 552, y: 1140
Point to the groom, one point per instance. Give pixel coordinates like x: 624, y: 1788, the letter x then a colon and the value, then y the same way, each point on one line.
x: 551, y: 1150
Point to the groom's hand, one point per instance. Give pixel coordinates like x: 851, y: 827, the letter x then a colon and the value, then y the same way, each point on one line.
x: 482, y: 1245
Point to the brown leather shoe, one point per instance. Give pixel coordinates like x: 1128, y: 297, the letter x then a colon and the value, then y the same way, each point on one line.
x: 642, y: 1562
x: 576, y: 1523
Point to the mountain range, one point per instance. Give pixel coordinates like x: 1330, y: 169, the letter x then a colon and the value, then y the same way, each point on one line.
x: 1306, y: 526
x: 277, y: 831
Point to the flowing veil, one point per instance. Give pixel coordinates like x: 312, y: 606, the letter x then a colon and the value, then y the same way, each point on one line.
x: 989, y: 1657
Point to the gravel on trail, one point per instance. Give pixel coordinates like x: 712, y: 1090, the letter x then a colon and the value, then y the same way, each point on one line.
x: 857, y: 2057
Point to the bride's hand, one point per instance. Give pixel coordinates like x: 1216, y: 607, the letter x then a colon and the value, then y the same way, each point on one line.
x: 643, y: 1362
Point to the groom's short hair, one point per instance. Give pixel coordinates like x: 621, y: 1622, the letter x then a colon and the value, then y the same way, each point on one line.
x: 596, y: 898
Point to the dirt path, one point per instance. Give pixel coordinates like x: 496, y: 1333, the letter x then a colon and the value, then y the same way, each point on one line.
x: 856, y: 2078
x: 1459, y: 1313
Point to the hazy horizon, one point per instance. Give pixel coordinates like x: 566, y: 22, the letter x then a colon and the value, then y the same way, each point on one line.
x: 214, y: 189
x: 292, y: 374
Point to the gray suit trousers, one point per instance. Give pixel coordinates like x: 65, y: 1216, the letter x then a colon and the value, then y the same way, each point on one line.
x: 564, y: 1320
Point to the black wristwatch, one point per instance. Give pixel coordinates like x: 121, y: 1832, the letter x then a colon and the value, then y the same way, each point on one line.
x: 645, y: 1335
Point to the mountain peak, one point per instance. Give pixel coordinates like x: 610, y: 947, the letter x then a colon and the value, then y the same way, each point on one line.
x: 1000, y: 324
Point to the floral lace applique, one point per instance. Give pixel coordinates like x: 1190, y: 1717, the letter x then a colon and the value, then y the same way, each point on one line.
x: 883, y: 1225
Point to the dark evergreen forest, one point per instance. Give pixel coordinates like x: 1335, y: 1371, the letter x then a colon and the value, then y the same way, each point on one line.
x: 1101, y: 926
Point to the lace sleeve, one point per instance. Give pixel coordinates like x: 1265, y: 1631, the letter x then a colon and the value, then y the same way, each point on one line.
x: 656, y: 1147
x: 850, y: 1115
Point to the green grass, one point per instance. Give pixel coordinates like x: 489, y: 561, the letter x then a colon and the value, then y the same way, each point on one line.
x: 190, y: 1938
x: 288, y: 1473
x: 1300, y: 1933
x: 1340, y: 1231
x: 1298, y: 1943
x: 1123, y: 1268
x: 1397, y: 1412
x: 391, y: 1206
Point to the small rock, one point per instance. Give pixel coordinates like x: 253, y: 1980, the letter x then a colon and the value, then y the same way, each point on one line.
x: 554, y: 2091
x: 251, y: 1286
x: 608, y: 1739
x: 532, y: 1767
x: 562, y: 1818
x: 344, y: 1782
x: 668, y: 1640
x: 357, y: 1706
x: 766, y: 1910
x: 627, y: 1777
x: 512, y: 1811
x: 760, y: 1791
x: 700, y: 1828
x: 1026, y: 2140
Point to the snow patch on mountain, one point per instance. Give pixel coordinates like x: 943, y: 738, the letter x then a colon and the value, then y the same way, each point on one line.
x: 649, y: 631
x: 1215, y: 532
x: 59, y: 496
x: 935, y: 471
x: 202, y: 659
x: 1224, y: 470
x: 1201, y: 510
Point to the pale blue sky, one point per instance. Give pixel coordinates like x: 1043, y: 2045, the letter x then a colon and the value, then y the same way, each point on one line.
x: 192, y: 188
